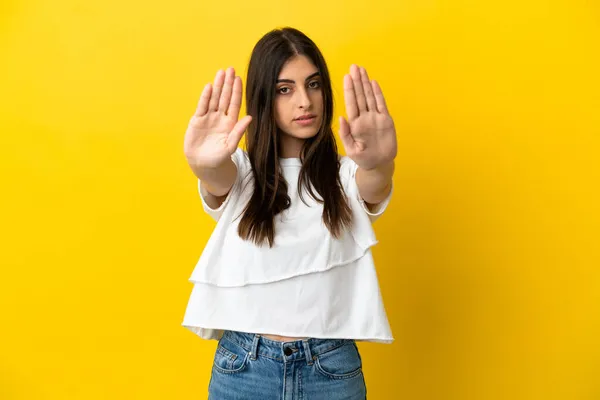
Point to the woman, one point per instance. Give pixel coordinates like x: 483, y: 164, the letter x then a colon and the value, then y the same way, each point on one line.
x: 286, y: 282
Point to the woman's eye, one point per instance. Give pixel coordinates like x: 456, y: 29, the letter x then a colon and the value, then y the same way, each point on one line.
x: 284, y: 90
x: 314, y: 84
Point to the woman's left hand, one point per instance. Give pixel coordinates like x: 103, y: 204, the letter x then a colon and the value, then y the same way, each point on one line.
x: 369, y: 135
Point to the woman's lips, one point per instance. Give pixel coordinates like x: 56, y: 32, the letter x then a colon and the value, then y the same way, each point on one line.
x: 305, y: 122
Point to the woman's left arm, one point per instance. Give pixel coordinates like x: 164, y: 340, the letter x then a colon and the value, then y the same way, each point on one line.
x: 375, y: 185
x: 369, y: 135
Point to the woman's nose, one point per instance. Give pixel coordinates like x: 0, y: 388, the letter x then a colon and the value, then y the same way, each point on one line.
x: 304, y: 101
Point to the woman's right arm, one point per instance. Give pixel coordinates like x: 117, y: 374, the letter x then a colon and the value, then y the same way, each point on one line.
x: 213, y: 135
x: 215, y: 183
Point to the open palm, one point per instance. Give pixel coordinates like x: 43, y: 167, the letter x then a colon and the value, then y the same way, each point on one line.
x: 214, y: 131
x: 369, y: 135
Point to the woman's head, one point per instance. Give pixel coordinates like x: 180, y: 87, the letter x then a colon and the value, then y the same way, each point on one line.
x: 287, y: 80
x: 298, y: 104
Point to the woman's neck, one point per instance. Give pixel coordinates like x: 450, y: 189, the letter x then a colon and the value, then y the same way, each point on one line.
x: 290, y: 147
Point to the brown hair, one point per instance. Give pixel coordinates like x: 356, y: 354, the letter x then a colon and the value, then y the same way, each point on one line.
x: 319, y: 155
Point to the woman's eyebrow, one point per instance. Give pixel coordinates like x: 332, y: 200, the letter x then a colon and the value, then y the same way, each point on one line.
x: 291, y: 81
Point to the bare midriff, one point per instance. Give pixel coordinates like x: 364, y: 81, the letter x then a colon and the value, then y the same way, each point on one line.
x: 281, y: 338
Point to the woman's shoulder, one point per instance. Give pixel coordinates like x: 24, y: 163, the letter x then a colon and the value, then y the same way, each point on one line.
x: 347, y: 167
x: 242, y: 162
x: 240, y: 156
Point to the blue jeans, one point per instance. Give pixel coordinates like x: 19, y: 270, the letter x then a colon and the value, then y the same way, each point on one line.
x: 249, y: 366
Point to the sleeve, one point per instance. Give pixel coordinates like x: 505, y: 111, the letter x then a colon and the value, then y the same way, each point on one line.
x: 242, y: 164
x: 348, y: 170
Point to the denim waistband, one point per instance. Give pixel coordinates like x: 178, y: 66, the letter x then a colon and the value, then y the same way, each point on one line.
x: 257, y: 346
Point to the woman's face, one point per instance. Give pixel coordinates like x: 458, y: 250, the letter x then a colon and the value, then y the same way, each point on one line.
x: 298, y: 104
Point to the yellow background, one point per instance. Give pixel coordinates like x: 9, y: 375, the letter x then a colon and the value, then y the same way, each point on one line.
x: 489, y: 256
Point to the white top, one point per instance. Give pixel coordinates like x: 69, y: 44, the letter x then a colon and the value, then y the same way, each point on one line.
x: 309, y: 284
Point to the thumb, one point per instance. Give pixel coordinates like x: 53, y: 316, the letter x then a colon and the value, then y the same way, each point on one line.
x: 347, y: 139
x: 237, y: 132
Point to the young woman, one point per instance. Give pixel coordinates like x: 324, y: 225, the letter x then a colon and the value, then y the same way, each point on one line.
x: 286, y: 282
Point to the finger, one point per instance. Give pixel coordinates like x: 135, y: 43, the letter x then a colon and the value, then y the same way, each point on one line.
x: 358, y: 89
x: 346, y: 136
x: 371, y: 103
x: 216, y: 94
x: 381, y: 106
x: 236, y: 134
x: 226, y: 92
x: 202, y: 107
x: 236, y: 98
x: 350, y: 98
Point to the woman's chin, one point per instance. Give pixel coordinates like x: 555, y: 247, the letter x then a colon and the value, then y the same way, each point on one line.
x: 306, y: 133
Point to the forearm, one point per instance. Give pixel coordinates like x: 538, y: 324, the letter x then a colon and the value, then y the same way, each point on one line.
x: 217, y: 181
x: 374, y: 185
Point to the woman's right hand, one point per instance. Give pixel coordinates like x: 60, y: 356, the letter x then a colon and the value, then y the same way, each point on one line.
x: 214, y: 131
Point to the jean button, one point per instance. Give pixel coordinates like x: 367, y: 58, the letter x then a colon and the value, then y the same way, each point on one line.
x: 288, y: 351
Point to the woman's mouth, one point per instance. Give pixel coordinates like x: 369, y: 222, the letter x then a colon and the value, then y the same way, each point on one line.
x: 306, y: 120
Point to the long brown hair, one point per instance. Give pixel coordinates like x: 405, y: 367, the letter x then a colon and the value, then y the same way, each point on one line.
x: 319, y: 155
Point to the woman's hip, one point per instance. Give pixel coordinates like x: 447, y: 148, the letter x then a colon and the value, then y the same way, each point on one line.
x: 250, y: 366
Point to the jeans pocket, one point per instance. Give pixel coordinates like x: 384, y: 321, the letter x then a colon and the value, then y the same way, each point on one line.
x: 230, y: 358
x: 343, y: 362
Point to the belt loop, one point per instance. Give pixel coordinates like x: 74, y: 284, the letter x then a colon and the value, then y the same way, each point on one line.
x: 309, y: 357
x: 254, y: 349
